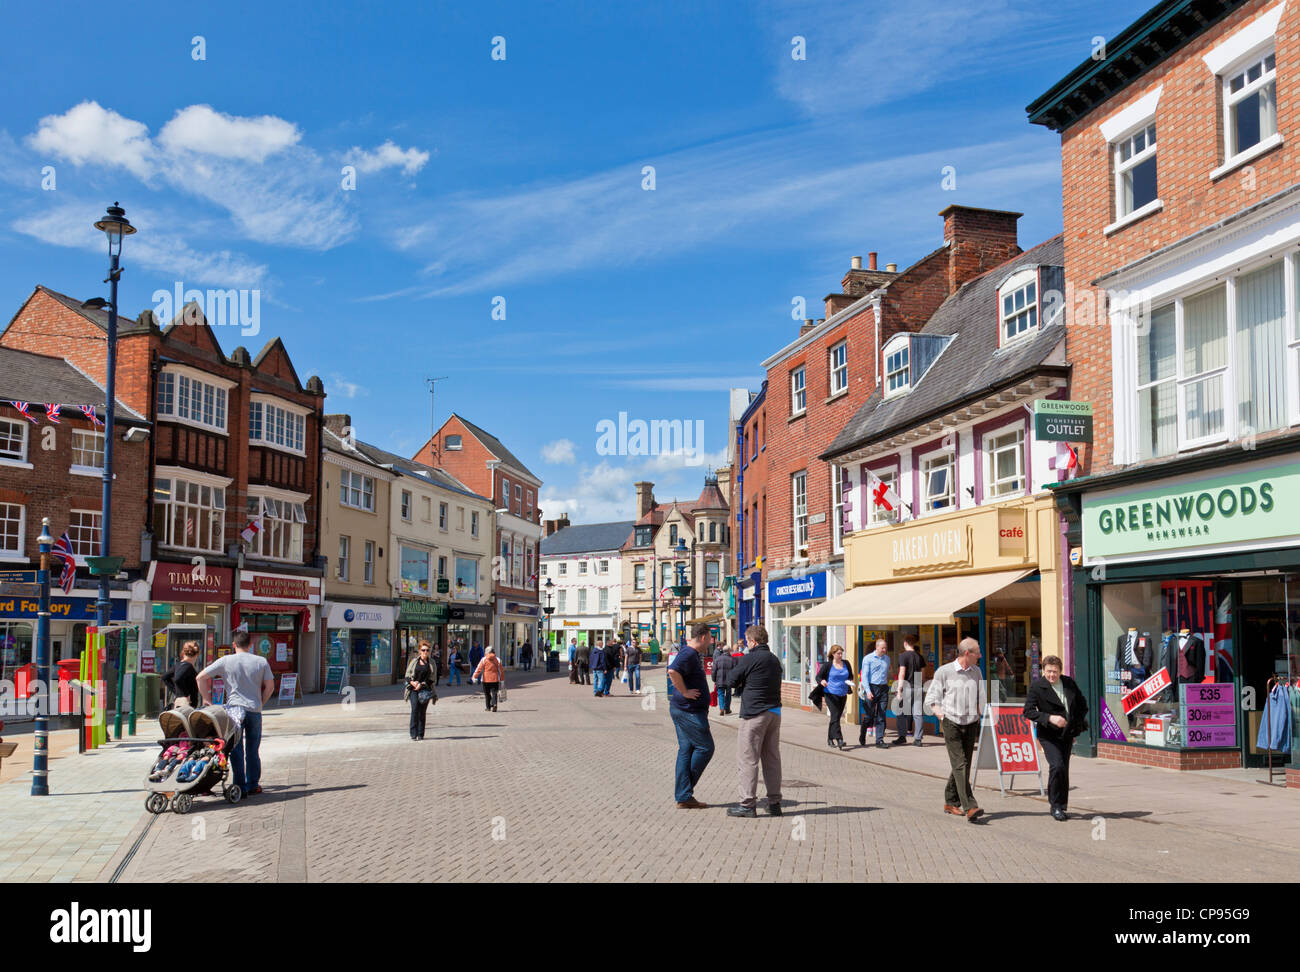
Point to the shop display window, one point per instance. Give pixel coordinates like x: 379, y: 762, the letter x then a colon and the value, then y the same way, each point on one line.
x: 371, y: 651
x: 1184, y: 629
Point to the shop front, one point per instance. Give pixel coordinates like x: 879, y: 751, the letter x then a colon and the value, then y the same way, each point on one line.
x: 468, y: 625
x: 1187, y: 612
x: 281, y: 612
x: 989, y: 573
x: 516, y: 623
x: 189, y: 604
x: 419, y: 620
x: 800, y: 648
x: 69, y: 619
x: 360, y: 636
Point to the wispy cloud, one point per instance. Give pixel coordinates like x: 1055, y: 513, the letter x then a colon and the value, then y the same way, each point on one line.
x: 386, y: 156
x: 559, y: 452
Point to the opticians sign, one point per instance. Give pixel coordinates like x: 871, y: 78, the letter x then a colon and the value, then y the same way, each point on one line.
x: 1253, y: 504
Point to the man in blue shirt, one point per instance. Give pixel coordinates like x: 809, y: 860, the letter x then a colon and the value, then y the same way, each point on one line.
x: 688, y: 704
x: 873, y: 690
x: 597, y: 661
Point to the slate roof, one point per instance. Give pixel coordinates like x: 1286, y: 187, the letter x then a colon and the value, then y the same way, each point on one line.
x: 495, y: 447
x: 970, y: 366
x: 587, y: 537
x: 710, y: 498
x: 39, y: 378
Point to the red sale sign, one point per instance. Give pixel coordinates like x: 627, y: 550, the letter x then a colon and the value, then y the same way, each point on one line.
x: 1154, y: 685
x: 1013, y: 740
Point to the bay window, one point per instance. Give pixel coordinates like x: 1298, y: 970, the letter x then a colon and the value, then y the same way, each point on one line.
x: 191, y: 399
x: 271, y: 425
x: 188, y: 514
x: 283, y: 519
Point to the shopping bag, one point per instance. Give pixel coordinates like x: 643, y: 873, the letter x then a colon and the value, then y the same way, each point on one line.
x: 713, y: 697
x: 501, y: 692
x: 624, y: 678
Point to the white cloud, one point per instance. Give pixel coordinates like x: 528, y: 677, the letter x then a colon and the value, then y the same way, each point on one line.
x: 90, y: 133
x: 200, y: 129
x: 346, y: 389
x: 558, y: 452
x: 387, y: 156
x: 604, y: 492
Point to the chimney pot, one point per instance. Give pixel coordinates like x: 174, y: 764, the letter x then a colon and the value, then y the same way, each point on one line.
x: 856, y: 263
x: 871, y: 260
x: 892, y: 267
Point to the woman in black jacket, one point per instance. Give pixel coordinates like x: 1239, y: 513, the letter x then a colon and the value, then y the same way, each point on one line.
x: 1055, y: 704
x: 420, y: 673
x: 183, y: 679
x: 836, y: 680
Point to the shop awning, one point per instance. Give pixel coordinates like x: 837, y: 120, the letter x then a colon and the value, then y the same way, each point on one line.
x: 929, y: 601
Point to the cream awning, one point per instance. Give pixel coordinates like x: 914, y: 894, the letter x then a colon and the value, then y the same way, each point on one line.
x: 929, y: 601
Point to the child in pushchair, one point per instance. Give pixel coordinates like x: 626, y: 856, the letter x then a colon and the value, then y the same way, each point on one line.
x: 195, y: 758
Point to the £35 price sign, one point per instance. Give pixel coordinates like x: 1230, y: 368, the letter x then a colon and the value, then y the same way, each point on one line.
x: 1013, y: 738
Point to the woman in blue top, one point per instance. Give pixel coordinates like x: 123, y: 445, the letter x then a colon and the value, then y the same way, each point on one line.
x: 836, y: 677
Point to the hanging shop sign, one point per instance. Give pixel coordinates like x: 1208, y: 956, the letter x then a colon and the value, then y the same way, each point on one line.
x: 1249, y: 504
x: 1057, y: 421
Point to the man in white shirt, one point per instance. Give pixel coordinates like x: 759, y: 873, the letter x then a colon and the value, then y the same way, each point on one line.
x: 957, y: 697
x: 249, y: 684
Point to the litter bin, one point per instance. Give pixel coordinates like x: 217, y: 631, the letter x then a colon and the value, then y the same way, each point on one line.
x: 148, y: 695
x: 553, y: 661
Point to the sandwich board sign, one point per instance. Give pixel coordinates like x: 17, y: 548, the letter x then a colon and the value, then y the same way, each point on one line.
x: 288, y: 687
x: 1008, y: 744
x: 335, y: 676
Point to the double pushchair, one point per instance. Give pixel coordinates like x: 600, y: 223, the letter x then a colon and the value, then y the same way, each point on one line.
x: 195, y: 758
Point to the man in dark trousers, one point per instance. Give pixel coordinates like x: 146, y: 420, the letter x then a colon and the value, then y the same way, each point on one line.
x: 1055, y: 704
x: 688, y: 705
x: 723, y: 664
x: 583, y: 657
x: 757, y: 677
x: 613, y: 662
x: 596, y: 659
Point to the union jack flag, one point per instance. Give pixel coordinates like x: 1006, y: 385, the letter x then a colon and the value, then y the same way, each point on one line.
x: 52, y: 412
x: 63, y: 550
x: 89, y: 412
x: 23, y: 411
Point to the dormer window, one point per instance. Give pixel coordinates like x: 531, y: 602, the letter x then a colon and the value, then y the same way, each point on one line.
x: 1018, y: 305
x: 643, y: 536
x: 897, y: 370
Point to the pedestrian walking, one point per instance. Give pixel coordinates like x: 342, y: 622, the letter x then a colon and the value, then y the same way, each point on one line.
x: 183, y: 680
x: 653, y: 645
x: 836, y: 679
x: 613, y: 659
x: 632, y: 656
x: 689, y: 709
x: 249, y: 683
x: 526, y: 656
x: 583, y: 655
x: 596, y: 659
x: 419, y: 687
x: 957, y: 697
x: 454, y: 661
x: 723, y: 665
x: 757, y: 677
x: 573, y: 648
x: 909, y: 697
x: 1055, y: 704
x: 873, y: 690
x: 475, y: 656
x: 492, y: 674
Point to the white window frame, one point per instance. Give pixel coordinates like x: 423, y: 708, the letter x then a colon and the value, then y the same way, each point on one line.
x: 473, y: 523
x: 447, y: 442
x: 603, y: 601
x: 443, y: 512
x: 295, y: 522
x: 1233, y: 99
x: 20, y: 460
x: 1030, y: 311
x: 878, y: 514
x: 365, y: 490
x: 582, y: 567
x: 19, y: 552
x: 562, y: 601
x: 930, y: 462
x: 1247, y: 46
x: 638, y: 577
x: 604, y: 567
x: 289, y: 422
x: 1122, y: 167
x: 837, y: 509
x: 369, y: 562
x: 582, y: 600
x: 81, y: 468
x: 898, y: 367
x: 171, y: 474
x: 798, y: 391
x: 799, y: 513
x: 345, y: 558
x: 990, y: 461
x: 408, y: 501
x: 220, y: 398
x: 428, y: 560
x: 75, y: 530
x: 838, y: 358
x: 564, y: 569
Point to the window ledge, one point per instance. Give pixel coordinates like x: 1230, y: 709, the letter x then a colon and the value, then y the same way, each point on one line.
x: 85, y: 471
x: 839, y: 394
x: 1241, y: 158
x: 16, y: 464
x: 796, y: 416
x: 8, y: 555
x: 1154, y: 206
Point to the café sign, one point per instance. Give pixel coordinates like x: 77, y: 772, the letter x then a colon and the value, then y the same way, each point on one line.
x: 1194, y: 514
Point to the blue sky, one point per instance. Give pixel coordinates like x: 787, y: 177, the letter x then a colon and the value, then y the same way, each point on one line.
x: 523, y: 179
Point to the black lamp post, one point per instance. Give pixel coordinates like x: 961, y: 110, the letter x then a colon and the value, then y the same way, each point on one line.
x: 548, y: 611
x: 114, y: 225
x: 682, y: 589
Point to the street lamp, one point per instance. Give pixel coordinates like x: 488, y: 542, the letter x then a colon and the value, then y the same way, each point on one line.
x: 41, y: 738
x: 548, y: 611
x: 682, y: 589
x: 114, y: 225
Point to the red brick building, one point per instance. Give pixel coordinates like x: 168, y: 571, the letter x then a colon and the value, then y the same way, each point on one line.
x: 814, y: 387
x: 52, y: 466
x: 479, y: 460
x: 236, y: 442
x: 1182, y: 254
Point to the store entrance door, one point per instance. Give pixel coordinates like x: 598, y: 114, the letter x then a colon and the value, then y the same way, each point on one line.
x: 1270, y: 620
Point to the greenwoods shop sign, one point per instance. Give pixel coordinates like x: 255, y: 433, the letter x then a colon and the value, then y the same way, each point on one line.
x: 1254, y: 503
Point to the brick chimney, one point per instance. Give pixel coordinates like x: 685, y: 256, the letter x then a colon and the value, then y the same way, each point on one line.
x: 552, y: 526
x: 337, y: 423
x: 645, y: 498
x: 977, y: 241
x: 807, y: 325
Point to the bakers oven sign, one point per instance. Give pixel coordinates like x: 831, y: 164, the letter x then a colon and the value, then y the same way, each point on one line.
x: 928, y: 549
x: 281, y: 588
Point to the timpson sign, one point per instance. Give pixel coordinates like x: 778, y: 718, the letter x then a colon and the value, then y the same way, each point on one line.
x: 188, y: 582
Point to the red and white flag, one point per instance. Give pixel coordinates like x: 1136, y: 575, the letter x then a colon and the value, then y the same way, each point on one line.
x: 23, y: 411
x: 252, y: 530
x: 884, y: 496
x: 1065, y: 462
x: 89, y: 412
x: 52, y: 412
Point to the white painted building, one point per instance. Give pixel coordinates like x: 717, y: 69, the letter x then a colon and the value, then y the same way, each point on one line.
x: 582, y: 578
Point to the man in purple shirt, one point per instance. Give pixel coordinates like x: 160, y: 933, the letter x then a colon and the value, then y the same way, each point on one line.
x: 688, y: 704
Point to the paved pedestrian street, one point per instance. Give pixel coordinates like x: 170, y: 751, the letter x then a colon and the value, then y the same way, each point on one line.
x: 560, y: 786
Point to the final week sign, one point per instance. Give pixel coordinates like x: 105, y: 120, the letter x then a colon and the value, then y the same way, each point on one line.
x: 1253, y: 502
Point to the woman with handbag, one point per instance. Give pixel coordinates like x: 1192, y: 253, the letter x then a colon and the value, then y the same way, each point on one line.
x: 419, y: 688
x: 836, y: 680
x: 492, y: 675
x: 183, y: 679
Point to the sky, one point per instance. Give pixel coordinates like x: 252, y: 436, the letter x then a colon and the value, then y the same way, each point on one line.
x: 565, y: 211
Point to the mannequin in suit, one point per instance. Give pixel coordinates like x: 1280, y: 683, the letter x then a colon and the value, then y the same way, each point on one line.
x: 1140, y: 664
x: 1191, y: 656
x: 1056, y: 706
